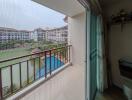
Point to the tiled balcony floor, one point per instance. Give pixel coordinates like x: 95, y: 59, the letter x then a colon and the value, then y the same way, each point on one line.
x: 66, y: 85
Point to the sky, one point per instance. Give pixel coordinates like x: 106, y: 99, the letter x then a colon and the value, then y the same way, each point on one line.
x: 28, y: 15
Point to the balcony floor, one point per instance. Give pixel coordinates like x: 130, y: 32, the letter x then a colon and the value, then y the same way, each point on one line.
x: 66, y: 85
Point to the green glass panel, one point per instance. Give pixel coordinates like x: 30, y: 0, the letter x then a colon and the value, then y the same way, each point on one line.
x: 93, y: 55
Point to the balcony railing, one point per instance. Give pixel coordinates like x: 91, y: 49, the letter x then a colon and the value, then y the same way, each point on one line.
x: 27, y: 69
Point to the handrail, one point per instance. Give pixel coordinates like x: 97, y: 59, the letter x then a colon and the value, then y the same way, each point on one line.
x: 32, y: 54
x: 52, y: 63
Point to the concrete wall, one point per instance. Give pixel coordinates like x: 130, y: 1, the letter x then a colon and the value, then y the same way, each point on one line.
x: 120, y: 41
x: 77, y: 35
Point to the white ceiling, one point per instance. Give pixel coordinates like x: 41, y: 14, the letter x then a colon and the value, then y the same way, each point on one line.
x: 67, y: 7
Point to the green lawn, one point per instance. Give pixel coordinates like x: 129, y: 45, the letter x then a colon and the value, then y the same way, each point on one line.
x: 18, y: 52
x: 7, y: 54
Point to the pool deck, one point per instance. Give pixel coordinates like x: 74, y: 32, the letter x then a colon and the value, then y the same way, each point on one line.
x: 66, y: 85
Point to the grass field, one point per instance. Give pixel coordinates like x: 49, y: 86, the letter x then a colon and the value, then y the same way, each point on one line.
x: 7, y: 54
x: 18, y: 52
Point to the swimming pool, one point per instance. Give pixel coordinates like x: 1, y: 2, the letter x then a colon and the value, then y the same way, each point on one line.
x: 55, y: 64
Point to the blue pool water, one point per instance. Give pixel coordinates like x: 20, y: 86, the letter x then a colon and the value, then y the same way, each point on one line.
x: 55, y: 64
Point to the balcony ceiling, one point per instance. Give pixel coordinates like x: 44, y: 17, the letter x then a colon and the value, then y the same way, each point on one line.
x: 67, y: 7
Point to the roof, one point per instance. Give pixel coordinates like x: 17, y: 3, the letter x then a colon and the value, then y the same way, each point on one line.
x: 39, y: 29
x: 36, y: 50
x: 7, y: 29
x: 63, y: 27
x: 26, y: 31
x: 12, y: 29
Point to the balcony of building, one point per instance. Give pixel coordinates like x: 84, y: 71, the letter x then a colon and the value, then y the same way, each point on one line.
x: 29, y: 71
x: 66, y: 85
x: 91, y: 64
x: 62, y: 79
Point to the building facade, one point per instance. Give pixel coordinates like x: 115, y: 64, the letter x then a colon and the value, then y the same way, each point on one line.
x: 39, y: 34
x: 8, y: 34
x: 57, y: 34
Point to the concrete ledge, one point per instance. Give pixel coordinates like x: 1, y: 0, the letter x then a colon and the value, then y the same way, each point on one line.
x: 36, y: 84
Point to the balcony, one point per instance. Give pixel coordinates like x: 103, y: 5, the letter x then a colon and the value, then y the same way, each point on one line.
x: 66, y: 81
x: 66, y: 85
x: 90, y: 29
x: 49, y: 72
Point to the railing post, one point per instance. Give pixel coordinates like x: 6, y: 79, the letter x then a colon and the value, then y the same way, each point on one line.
x: 66, y: 54
x: 60, y: 57
x: 45, y: 64
x: 57, y: 58
x: 69, y: 54
x: 1, y: 90
x: 54, y: 60
x: 34, y: 69
x: 50, y: 62
x: 20, y: 75
x: 39, y: 67
x: 27, y: 72
x: 11, y: 79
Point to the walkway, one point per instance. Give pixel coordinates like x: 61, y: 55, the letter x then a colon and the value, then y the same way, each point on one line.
x: 67, y: 85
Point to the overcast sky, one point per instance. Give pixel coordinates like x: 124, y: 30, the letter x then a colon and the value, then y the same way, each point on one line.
x: 26, y: 14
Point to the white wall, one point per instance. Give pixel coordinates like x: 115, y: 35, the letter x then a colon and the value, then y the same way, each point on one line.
x: 77, y: 34
x: 120, y: 41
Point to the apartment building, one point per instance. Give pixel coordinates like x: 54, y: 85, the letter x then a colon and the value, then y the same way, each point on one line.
x: 57, y: 34
x: 7, y: 34
x: 39, y: 34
